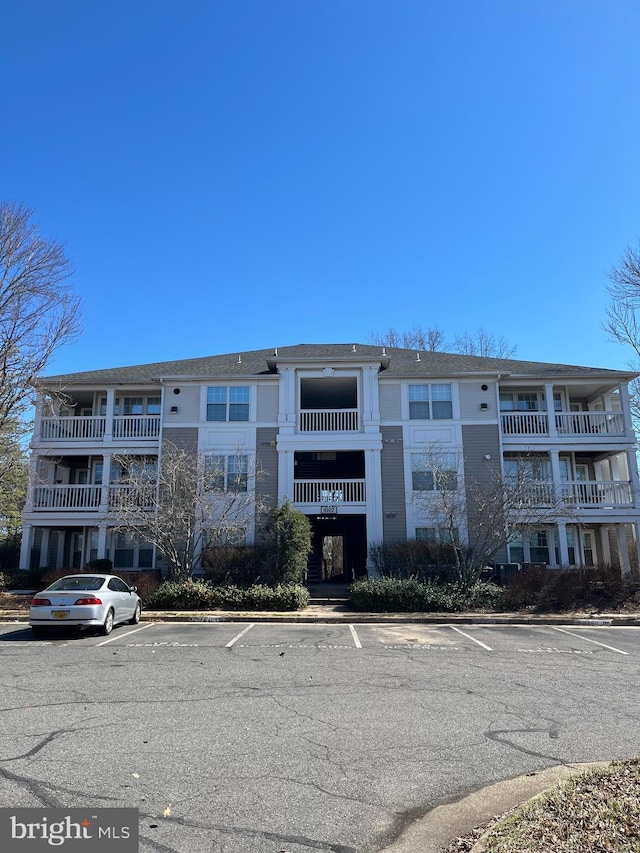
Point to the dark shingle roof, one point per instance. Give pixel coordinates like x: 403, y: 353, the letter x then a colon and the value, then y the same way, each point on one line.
x: 397, y: 362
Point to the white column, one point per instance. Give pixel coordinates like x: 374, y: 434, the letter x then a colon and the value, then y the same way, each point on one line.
x: 44, y: 548
x: 562, y: 541
x: 111, y: 403
x: 626, y: 410
x: 551, y: 416
x: 106, y: 480
x: 25, y: 546
x: 554, y: 456
x: 623, y: 549
x: 374, y: 519
x: 286, y: 473
x: 605, y: 545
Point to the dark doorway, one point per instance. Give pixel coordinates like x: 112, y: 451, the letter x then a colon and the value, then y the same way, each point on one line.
x: 339, y: 548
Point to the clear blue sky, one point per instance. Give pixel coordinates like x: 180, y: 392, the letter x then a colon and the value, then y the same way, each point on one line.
x: 236, y: 174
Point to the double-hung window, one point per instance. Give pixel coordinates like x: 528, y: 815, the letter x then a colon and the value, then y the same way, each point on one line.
x: 429, y: 474
x: 226, y: 473
x: 430, y: 402
x: 228, y: 403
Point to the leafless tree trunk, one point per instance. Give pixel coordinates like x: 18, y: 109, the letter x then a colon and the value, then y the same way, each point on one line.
x: 39, y: 313
x: 184, y: 504
x: 622, y: 324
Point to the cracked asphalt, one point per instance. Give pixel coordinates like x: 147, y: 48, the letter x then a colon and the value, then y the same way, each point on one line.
x: 266, y: 738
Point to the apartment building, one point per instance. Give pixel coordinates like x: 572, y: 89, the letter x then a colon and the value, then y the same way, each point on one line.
x: 344, y: 432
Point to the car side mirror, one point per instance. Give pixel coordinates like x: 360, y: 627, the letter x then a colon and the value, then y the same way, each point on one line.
x: 133, y: 589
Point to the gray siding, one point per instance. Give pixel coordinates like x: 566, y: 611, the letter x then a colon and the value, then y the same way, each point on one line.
x: 187, y: 402
x: 472, y: 397
x: 267, y: 470
x: 390, y: 401
x: 186, y: 438
x: 479, y: 442
x: 268, y: 399
x: 394, y: 508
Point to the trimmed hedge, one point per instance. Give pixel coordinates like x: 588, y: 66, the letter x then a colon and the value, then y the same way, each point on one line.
x: 201, y: 595
x: 393, y: 595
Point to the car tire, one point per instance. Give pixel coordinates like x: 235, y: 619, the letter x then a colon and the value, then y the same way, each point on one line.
x: 136, y: 616
x: 107, y: 628
x: 38, y: 632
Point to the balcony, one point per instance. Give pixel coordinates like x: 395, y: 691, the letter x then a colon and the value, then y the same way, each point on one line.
x: 329, y: 491
x: 566, y: 423
x: 329, y: 420
x: 88, y: 498
x: 89, y: 429
x: 596, y: 494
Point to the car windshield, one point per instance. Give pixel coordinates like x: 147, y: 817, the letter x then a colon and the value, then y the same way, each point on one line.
x: 78, y: 582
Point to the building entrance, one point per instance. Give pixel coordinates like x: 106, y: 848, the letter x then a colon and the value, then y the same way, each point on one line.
x: 339, y: 549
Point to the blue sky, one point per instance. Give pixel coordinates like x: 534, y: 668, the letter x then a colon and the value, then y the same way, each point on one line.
x: 236, y: 174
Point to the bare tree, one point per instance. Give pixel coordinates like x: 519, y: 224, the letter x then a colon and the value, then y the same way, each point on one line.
x: 189, y: 502
x: 481, y: 343
x: 622, y: 323
x: 480, y: 517
x: 39, y: 312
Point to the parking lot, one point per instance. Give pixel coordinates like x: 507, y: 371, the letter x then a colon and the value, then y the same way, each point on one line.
x: 267, y: 737
x: 462, y: 639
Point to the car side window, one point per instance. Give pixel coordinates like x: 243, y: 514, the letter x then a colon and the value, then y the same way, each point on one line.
x: 117, y: 585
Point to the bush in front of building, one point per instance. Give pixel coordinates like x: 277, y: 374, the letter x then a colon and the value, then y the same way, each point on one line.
x: 241, y: 565
x: 414, y: 559
x: 202, y: 595
x: 287, y: 535
x: 409, y: 595
x: 551, y: 590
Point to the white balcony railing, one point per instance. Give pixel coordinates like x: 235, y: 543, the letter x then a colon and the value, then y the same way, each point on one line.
x: 328, y: 420
x: 136, y: 426
x: 579, y: 494
x: 74, y: 498
x: 566, y: 423
x: 588, y: 423
x: 95, y: 428
x: 329, y: 491
x: 63, y: 429
x: 85, y: 498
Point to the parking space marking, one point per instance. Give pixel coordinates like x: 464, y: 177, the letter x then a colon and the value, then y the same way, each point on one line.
x: 356, y: 638
x: 587, y: 640
x: 241, y: 634
x: 473, y: 639
x: 120, y: 636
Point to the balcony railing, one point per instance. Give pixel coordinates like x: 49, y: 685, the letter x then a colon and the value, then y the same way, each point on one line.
x: 566, y: 423
x: 87, y: 498
x: 328, y: 420
x: 594, y: 494
x: 94, y: 428
x: 329, y: 491
x: 588, y: 423
x: 74, y: 498
x: 63, y: 429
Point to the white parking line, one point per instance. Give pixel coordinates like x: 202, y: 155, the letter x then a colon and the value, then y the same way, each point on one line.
x: 356, y: 638
x: 241, y: 634
x: 469, y: 637
x: 120, y: 636
x: 587, y: 640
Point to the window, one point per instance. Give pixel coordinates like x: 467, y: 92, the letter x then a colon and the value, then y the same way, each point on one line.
x: 429, y: 473
x: 226, y: 473
x: 430, y: 401
x: 153, y: 405
x: 527, y: 469
x: 522, y: 402
x: 130, y: 552
x: 437, y: 534
x: 133, y: 405
x: 228, y: 403
x: 538, y: 547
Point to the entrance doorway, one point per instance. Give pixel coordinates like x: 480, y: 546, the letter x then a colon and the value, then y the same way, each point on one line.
x: 339, y: 549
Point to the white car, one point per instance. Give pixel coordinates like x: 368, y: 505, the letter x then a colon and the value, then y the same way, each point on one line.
x: 85, y: 600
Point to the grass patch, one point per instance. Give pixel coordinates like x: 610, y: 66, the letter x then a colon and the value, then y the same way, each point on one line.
x: 593, y: 812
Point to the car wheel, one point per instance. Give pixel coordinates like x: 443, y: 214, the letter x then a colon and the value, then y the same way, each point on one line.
x: 107, y: 628
x: 136, y: 616
x: 38, y: 632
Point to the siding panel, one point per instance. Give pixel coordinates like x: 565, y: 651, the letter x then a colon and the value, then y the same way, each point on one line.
x: 187, y: 401
x: 390, y: 401
x: 268, y: 399
x: 394, y: 507
x: 267, y: 470
x: 478, y: 442
x: 186, y: 438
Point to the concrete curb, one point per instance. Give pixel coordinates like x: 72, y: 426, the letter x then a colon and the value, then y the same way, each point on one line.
x: 443, y: 824
x: 328, y: 614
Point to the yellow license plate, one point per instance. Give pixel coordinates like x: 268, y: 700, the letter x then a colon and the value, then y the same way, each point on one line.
x: 60, y: 614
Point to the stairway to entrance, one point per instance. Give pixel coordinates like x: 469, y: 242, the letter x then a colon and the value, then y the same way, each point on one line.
x: 328, y: 593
